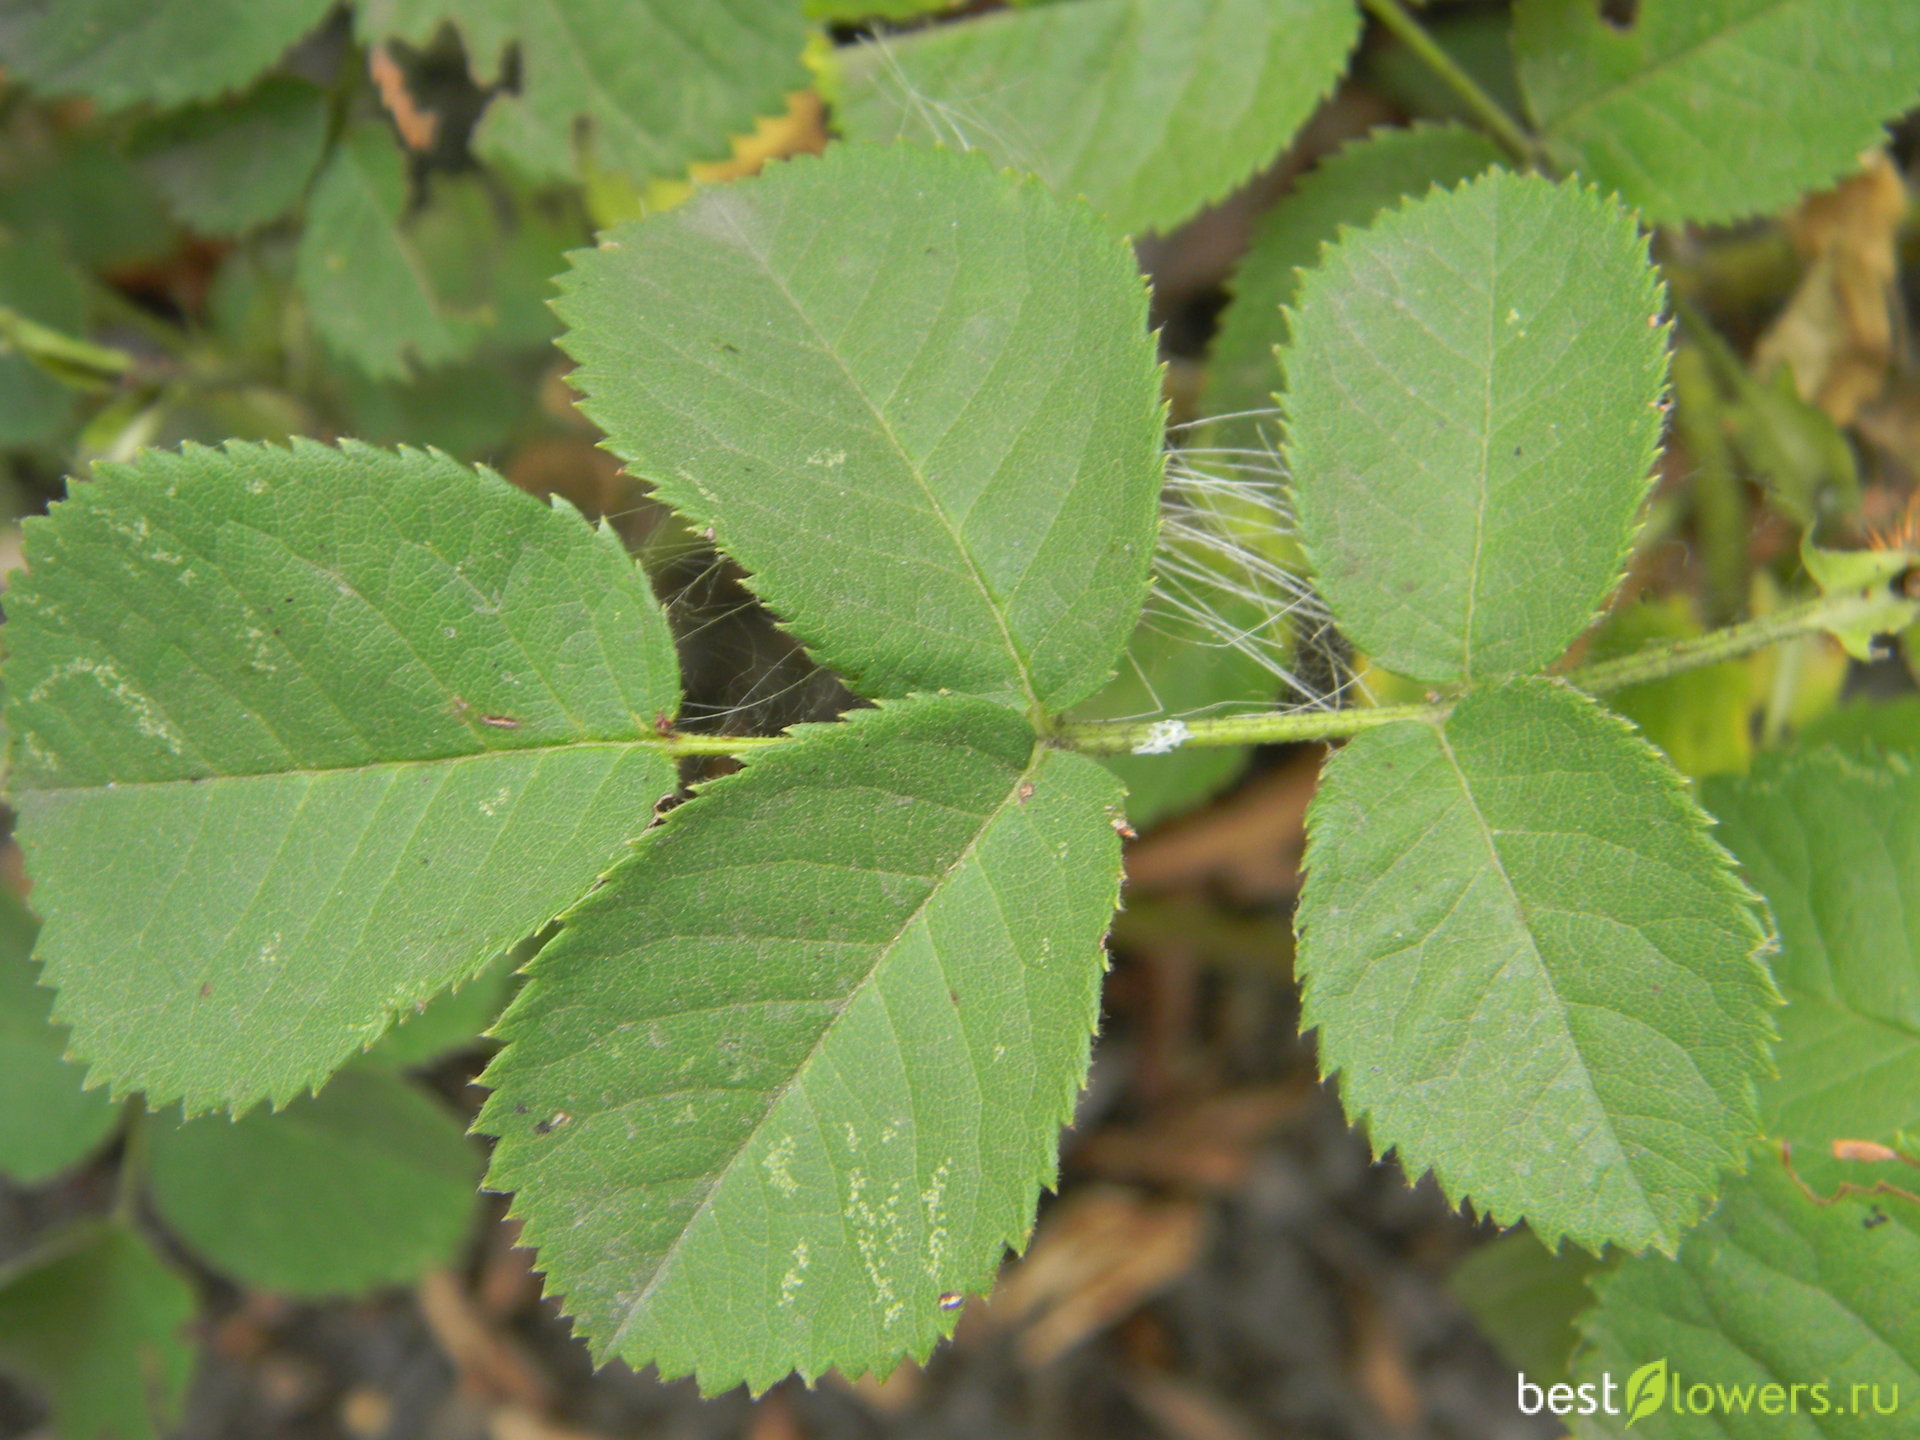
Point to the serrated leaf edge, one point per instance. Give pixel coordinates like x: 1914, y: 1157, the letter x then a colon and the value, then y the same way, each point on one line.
x: 1727, y: 878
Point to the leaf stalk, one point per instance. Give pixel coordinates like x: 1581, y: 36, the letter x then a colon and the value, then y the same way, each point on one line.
x: 1512, y: 136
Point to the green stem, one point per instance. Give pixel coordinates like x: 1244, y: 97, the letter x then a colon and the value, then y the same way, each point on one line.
x: 132, y: 1179
x: 1512, y: 136
x: 70, y: 360
x: 1830, y: 612
x: 1153, y: 737
x: 1880, y: 609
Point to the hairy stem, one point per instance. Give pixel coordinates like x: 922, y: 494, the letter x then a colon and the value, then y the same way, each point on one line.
x: 1881, y: 609
x: 1657, y: 662
x: 1512, y: 136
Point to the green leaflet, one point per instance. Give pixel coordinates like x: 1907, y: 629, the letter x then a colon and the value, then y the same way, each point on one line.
x: 1532, y: 968
x: 1833, y: 842
x: 370, y: 292
x: 1889, y: 724
x: 1472, y: 417
x: 874, y: 9
x: 1773, y: 1290
x: 1711, y: 110
x: 914, y: 396
x: 368, y: 1183
x: 453, y: 1020
x: 47, y: 1122
x: 496, y: 263
x: 78, y: 194
x: 1348, y: 188
x: 225, y: 169
x: 648, y: 86
x: 123, y: 52
x: 795, y: 1072
x: 99, y: 1323
x: 1528, y: 1299
x: 302, y: 737
x: 1151, y: 109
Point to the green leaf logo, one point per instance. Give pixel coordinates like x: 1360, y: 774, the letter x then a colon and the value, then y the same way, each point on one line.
x: 1646, y: 1389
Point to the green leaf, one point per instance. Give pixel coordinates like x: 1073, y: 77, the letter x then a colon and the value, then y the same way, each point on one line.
x: 369, y: 1183
x: 1873, y: 576
x: 874, y: 9
x: 1151, y: 109
x: 914, y: 396
x: 1889, y: 724
x: 1348, y: 188
x: 302, y: 738
x: 453, y: 1020
x: 1527, y: 1298
x: 98, y: 1323
x: 125, y: 52
x: 47, y: 1122
x: 1531, y: 967
x: 368, y: 288
x: 493, y: 261
x: 1773, y: 1291
x: 470, y: 409
x: 1711, y: 110
x: 225, y: 169
x: 1472, y: 415
x: 645, y: 86
x: 37, y: 283
x: 81, y: 195
x: 795, y: 1073
x: 1833, y: 841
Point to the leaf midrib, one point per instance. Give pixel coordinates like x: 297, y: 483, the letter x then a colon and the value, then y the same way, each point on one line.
x: 883, y: 953
x: 1498, y: 864
x: 994, y: 606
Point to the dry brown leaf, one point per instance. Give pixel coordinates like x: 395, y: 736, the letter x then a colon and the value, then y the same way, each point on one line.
x: 1208, y: 1145
x: 801, y: 131
x: 515, y: 1422
x: 1184, y: 1411
x: 418, y: 128
x: 1836, y: 334
x: 490, y: 1364
x: 891, y: 1396
x: 773, y: 1419
x: 1381, y: 1361
x: 1098, y: 1255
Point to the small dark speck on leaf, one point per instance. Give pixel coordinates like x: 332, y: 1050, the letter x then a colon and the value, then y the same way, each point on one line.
x: 519, y: 1109
x: 206, y: 988
x: 1874, y: 1220
x: 547, y: 1127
